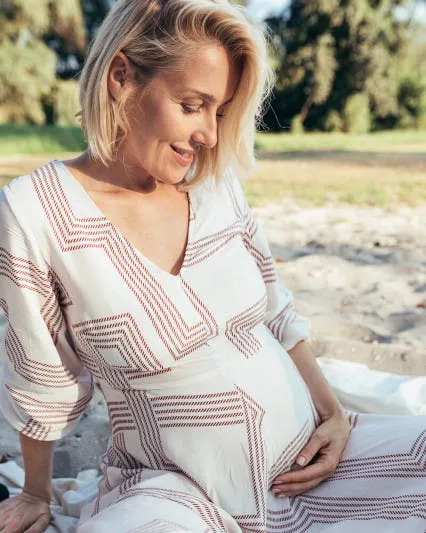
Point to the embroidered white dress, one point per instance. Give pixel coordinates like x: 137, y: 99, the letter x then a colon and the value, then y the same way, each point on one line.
x: 206, y: 406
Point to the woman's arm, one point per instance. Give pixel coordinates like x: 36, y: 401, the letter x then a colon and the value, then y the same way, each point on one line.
x: 38, y: 463
x: 29, y: 511
x: 320, y: 456
x: 325, y: 400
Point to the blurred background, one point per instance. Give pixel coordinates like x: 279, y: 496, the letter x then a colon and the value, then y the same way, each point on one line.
x: 340, y: 185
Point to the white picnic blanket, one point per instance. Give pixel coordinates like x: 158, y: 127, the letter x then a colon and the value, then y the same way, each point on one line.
x: 364, y: 390
x: 69, y: 494
x: 358, y: 388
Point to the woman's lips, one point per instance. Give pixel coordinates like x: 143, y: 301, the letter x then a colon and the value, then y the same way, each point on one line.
x: 184, y: 160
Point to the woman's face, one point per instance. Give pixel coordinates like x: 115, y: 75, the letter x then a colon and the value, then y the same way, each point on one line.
x: 178, y: 113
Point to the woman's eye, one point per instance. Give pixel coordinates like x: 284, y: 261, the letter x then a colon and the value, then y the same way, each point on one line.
x: 189, y: 109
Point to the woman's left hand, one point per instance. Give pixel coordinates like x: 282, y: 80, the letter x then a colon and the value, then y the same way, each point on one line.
x: 326, y: 447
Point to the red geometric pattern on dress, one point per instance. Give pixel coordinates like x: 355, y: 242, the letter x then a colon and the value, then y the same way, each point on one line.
x: 24, y: 273
x: 116, y: 377
x: 249, y: 226
x: 198, y: 410
x: 223, y: 409
x: 395, y: 465
x: 123, y: 458
x: 35, y: 430
x: 112, y: 458
x: 254, y: 414
x: 50, y: 414
x: 131, y: 477
x: 74, y: 233
x: 27, y: 275
x: 51, y: 310
x: 149, y: 434
x: 306, y: 511
x: 62, y: 295
x: 264, y: 262
x: 210, y: 325
x: 198, y: 251
x: 281, y: 321
x: 207, y: 511
x: 120, y: 417
x: 239, y: 328
x: 159, y: 526
x: 122, y: 334
x: 34, y: 371
x: 290, y: 452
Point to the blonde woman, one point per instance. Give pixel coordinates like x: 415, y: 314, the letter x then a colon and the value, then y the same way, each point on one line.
x: 139, y: 266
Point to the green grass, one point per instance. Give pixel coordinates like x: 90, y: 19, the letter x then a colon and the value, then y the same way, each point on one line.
x: 55, y: 139
x: 26, y: 140
x: 384, y: 141
x: 339, y: 180
x: 380, y: 169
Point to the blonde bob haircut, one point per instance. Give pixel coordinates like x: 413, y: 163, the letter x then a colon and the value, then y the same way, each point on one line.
x: 156, y: 35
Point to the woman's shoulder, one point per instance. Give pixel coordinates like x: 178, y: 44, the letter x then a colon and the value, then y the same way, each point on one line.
x: 227, y: 184
x: 20, y: 190
x: 232, y: 188
x: 19, y: 200
x: 19, y: 186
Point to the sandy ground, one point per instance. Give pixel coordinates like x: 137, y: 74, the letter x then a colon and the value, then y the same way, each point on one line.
x: 359, y: 273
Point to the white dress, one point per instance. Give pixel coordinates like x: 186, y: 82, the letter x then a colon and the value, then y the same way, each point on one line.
x: 206, y: 406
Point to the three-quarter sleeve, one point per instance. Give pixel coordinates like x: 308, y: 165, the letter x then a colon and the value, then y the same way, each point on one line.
x: 44, y: 388
x: 287, y: 326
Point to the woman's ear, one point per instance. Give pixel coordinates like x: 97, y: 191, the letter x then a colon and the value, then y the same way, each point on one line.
x: 119, y: 74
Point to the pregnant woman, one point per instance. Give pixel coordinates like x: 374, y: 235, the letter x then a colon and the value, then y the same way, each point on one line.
x: 139, y: 266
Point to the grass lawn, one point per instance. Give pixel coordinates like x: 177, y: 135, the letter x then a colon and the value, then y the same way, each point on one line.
x: 383, y: 169
x: 29, y: 140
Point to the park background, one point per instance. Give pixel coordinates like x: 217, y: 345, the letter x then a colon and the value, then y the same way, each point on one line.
x: 340, y: 184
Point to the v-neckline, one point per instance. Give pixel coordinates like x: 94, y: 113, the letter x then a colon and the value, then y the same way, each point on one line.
x: 149, y: 263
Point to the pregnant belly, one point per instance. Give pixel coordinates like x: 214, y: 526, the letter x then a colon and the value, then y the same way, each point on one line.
x: 234, y: 432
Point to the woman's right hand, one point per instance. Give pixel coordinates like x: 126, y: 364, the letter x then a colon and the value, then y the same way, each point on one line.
x: 24, y: 513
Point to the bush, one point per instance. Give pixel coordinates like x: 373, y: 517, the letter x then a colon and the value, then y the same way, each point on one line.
x: 411, y: 100
x: 356, y: 114
x: 65, y: 103
x: 421, y: 122
x: 333, y: 122
x: 296, y: 125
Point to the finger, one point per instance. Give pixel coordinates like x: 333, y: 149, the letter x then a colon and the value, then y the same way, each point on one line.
x: 12, y: 526
x: 297, y: 488
x: 320, y: 469
x: 39, y: 525
x: 315, y: 443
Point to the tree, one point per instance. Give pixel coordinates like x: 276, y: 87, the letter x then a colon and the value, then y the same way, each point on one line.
x: 337, y: 57
x: 27, y: 63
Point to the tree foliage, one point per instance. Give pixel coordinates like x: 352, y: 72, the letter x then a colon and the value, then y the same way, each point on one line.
x: 28, y: 59
x: 340, y: 62
x: 342, y: 65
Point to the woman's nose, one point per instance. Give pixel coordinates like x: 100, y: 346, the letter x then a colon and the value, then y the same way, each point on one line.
x: 206, y: 134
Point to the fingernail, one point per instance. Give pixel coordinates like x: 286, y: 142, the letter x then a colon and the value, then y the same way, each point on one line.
x: 282, y: 495
x: 301, y: 460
